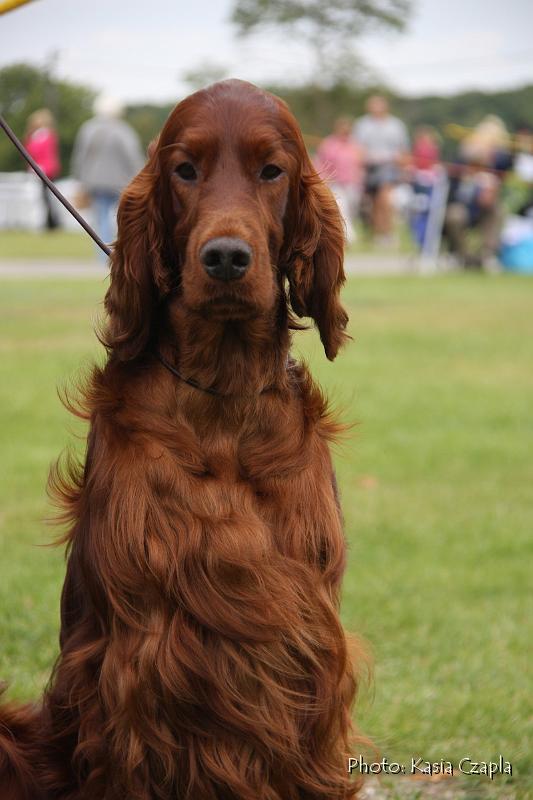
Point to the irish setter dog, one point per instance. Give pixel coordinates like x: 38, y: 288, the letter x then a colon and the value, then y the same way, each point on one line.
x: 202, y: 656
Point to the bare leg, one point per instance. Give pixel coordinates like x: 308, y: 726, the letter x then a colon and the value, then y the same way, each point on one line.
x: 456, y: 225
x: 490, y: 226
x: 382, y: 211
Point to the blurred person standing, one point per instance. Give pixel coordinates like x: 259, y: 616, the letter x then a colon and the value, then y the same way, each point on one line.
x: 523, y: 161
x: 107, y: 155
x: 385, y: 143
x: 41, y: 142
x: 474, y: 201
x: 488, y: 145
x: 339, y: 159
x: 425, y: 155
x: 516, y: 239
x: 426, y: 173
x: 523, y: 167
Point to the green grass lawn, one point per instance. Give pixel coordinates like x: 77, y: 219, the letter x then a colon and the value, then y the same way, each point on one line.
x: 436, y: 485
x: 57, y: 245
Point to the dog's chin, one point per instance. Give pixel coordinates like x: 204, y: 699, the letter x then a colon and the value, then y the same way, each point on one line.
x: 224, y: 307
x: 238, y: 300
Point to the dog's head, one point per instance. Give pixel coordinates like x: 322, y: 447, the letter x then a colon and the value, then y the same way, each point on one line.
x: 227, y: 207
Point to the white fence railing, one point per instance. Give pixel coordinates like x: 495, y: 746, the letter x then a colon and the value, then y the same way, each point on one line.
x: 22, y: 206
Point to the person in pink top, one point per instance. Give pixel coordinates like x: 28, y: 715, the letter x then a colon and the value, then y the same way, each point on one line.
x: 426, y: 151
x: 339, y: 160
x: 42, y: 144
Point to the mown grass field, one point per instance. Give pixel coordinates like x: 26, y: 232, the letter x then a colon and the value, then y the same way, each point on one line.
x: 437, y: 490
x: 58, y: 245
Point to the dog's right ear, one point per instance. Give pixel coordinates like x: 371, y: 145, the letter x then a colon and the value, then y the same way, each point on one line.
x: 139, y: 276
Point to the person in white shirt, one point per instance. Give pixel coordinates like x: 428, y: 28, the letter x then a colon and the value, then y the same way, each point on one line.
x: 385, y: 144
x: 107, y: 155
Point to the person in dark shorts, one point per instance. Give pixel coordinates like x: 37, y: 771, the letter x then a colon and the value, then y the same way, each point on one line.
x: 385, y: 145
x: 474, y: 201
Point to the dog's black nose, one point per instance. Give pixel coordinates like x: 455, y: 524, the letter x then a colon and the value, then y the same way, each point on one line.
x: 225, y: 258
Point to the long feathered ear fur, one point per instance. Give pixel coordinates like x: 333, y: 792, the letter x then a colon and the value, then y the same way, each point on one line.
x: 314, y: 258
x: 139, y: 276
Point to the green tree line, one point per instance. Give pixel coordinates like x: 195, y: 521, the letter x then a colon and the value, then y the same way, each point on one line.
x: 25, y: 88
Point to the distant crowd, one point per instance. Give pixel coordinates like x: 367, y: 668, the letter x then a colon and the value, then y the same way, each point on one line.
x: 367, y: 161
x: 375, y: 172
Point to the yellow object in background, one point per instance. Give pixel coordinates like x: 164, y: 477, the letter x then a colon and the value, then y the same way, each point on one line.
x: 10, y: 5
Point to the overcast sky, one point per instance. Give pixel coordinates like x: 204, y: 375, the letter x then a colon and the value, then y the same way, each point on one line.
x: 139, y: 51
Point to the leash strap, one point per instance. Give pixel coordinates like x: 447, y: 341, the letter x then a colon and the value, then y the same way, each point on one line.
x: 189, y: 381
x: 196, y: 385
x: 53, y: 188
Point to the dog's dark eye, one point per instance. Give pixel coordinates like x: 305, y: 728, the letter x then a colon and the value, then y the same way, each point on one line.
x: 186, y: 171
x: 270, y: 172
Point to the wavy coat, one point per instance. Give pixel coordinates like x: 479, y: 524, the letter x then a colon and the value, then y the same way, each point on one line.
x: 202, y: 656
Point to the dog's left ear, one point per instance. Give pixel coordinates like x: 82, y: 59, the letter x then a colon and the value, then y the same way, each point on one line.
x: 314, y: 257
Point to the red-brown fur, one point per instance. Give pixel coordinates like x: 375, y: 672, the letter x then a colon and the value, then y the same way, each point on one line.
x: 202, y: 657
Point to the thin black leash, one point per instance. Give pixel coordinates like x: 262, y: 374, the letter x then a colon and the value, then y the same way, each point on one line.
x: 53, y: 188
x: 208, y: 390
x: 190, y: 381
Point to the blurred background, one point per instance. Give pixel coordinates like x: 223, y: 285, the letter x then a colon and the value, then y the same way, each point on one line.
x: 420, y: 116
x: 440, y: 169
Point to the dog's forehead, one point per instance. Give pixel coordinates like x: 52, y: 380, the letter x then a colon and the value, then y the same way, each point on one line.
x: 229, y: 113
x: 236, y: 102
